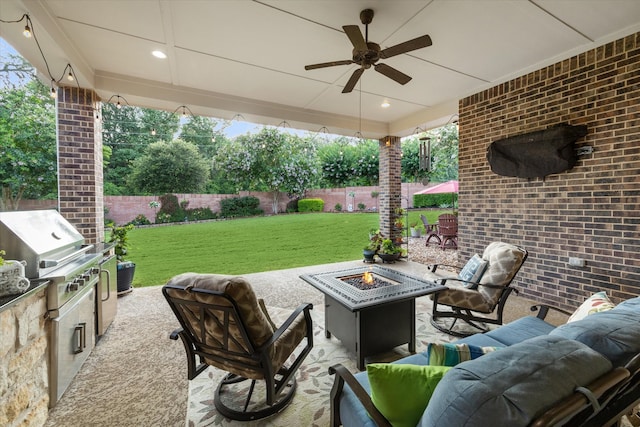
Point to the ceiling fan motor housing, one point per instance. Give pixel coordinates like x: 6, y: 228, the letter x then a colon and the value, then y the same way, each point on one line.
x: 366, y: 58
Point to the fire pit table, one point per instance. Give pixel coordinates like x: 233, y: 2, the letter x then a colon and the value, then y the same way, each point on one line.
x: 371, y: 309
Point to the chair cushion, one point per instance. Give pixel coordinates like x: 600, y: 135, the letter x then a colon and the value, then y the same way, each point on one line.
x: 504, y: 261
x: 594, y: 304
x: 614, y: 333
x: 256, y: 323
x: 450, y: 354
x: 510, y: 387
x: 401, y: 392
x: 457, y: 295
x: 472, y: 271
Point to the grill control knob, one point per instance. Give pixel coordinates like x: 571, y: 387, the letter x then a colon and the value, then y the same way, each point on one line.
x: 80, y: 281
x: 94, y: 270
x: 73, y: 287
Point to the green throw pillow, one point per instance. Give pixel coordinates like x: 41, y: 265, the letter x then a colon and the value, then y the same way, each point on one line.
x: 450, y: 354
x: 401, y: 392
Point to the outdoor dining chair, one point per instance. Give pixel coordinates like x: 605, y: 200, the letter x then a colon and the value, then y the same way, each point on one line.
x: 430, y: 230
x: 448, y: 231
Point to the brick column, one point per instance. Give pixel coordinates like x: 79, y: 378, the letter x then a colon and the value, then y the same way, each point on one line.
x: 390, y: 184
x: 80, y: 164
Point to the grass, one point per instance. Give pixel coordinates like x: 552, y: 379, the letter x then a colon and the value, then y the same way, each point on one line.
x: 250, y: 245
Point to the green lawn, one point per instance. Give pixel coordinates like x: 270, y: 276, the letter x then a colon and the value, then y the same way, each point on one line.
x: 250, y: 245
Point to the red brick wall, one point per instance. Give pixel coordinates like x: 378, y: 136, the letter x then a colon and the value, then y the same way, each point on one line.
x: 591, y: 211
x: 80, y: 187
x: 123, y: 209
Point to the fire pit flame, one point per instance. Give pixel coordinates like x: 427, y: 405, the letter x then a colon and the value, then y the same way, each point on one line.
x: 365, y: 281
x: 367, y: 277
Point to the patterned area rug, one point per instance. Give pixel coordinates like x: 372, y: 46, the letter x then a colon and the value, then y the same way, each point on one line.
x: 310, y: 405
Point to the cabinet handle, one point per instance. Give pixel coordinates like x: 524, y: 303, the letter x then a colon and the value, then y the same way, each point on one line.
x: 80, y: 338
x: 108, y: 284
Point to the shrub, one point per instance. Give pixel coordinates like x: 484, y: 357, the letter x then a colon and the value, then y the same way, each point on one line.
x: 170, y: 210
x: 292, y: 206
x: 310, y: 205
x: 140, y: 220
x: 240, y: 206
x: 198, y: 214
x: 362, y: 206
x: 431, y: 200
x: 338, y: 207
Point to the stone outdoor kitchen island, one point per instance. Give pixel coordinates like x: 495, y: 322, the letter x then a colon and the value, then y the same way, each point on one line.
x: 371, y: 309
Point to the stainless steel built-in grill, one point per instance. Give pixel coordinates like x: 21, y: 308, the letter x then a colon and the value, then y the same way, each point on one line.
x: 55, y: 252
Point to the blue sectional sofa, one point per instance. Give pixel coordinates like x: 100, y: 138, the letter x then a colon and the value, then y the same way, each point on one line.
x: 587, y: 371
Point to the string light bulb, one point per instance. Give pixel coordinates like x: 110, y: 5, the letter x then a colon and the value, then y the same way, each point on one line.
x: 70, y: 76
x: 153, y: 131
x: 53, y: 93
x: 118, y: 103
x: 27, y: 31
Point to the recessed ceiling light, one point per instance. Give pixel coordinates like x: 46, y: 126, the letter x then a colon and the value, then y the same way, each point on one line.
x: 159, y: 54
x: 385, y: 104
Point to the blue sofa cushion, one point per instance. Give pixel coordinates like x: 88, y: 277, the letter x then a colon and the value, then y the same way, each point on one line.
x: 631, y: 305
x: 511, y: 386
x: 520, y: 330
x: 614, y: 333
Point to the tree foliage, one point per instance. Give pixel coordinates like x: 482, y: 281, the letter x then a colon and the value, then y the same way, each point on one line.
x: 271, y: 161
x: 27, y: 143
x: 170, y: 167
x: 347, y: 163
x: 205, y: 133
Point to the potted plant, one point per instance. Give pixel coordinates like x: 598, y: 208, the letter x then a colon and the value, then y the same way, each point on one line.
x: 126, y: 269
x: 389, y: 252
x: 12, y: 280
x: 416, y: 229
x: 369, y: 252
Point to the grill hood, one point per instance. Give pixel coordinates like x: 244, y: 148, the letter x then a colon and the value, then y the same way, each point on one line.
x: 42, y: 238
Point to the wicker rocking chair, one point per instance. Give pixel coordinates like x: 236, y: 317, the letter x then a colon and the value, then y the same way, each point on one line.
x: 224, y: 325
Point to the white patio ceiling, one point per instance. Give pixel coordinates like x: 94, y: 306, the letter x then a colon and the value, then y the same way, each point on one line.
x: 228, y: 57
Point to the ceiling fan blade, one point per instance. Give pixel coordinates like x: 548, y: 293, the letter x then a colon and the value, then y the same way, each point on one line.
x: 392, y: 73
x: 408, y: 46
x: 353, y: 80
x: 355, y: 35
x: 328, y: 64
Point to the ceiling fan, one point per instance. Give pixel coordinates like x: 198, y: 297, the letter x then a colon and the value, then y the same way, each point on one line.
x: 367, y: 54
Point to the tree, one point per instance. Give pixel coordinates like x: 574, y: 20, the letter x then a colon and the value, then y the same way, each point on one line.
x: 205, y: 133
x: 27, y: 143
x: 344, y: 163
x: 170, y: 167
x: 128, y: 131
x: 269, y: 161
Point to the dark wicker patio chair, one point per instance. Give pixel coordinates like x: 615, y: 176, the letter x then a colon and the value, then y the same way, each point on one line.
x: 486, y: 295
x: 224, y: 325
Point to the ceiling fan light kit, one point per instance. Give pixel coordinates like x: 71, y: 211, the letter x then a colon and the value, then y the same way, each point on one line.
x: 367, y: 54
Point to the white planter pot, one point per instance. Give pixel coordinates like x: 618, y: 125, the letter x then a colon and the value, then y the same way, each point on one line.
x: 12, y: 280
